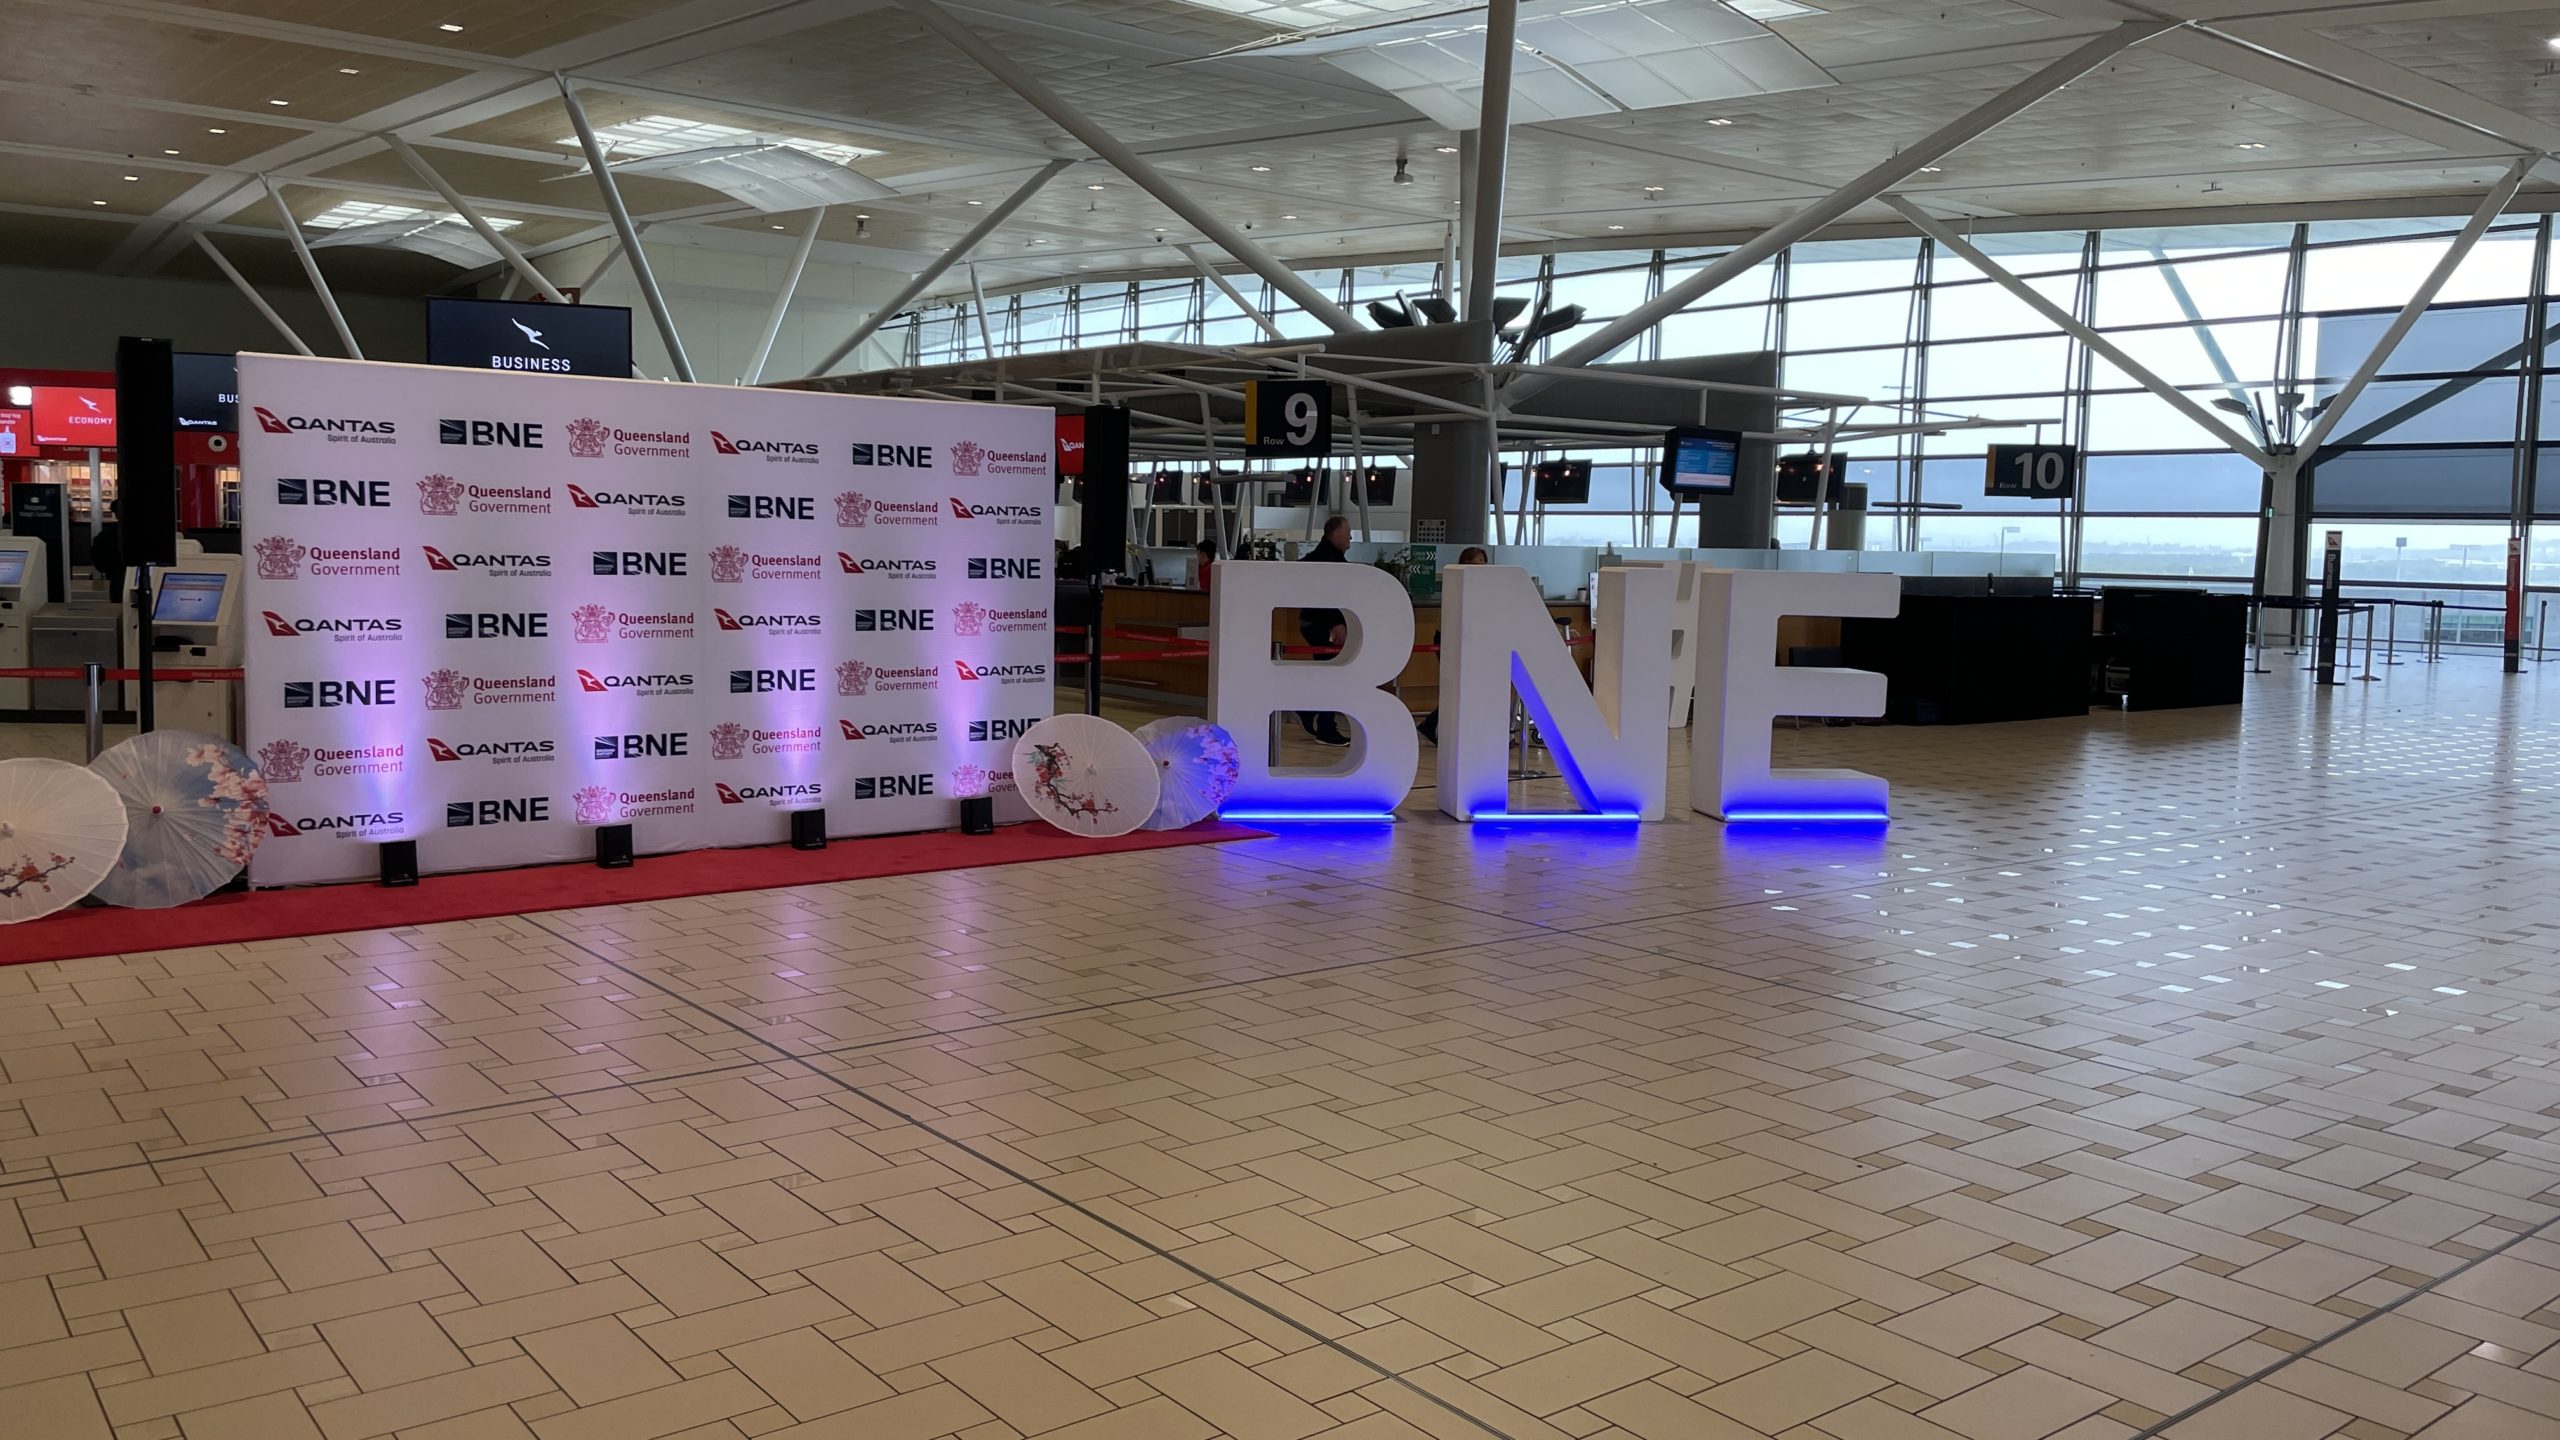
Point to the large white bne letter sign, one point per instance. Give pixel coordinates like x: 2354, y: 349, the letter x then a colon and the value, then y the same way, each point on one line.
x: 1248, y: 685
x: 1684, y: 639
x: 1496, y: 638
x: 1741, y: 690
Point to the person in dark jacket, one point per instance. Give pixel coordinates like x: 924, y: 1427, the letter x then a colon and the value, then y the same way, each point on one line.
x: 1429, y: 725
x: 1324, y: 629
x: 106, y: 552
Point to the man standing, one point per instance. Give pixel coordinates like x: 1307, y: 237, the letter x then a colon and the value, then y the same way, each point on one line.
x: 1324, y: 629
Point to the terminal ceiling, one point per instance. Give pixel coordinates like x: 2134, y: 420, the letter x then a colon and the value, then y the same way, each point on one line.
x: 2263, y: 103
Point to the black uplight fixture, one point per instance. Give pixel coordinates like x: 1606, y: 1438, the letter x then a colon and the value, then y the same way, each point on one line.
x: 1390, y: 317
x: 1549, y: 322
x: 399, y: 863
x: 1436, y: 310
x: 809, y: 829
x: 613, y: 847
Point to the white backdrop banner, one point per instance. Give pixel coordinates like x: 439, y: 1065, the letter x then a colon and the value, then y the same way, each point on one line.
x: 488, y: 612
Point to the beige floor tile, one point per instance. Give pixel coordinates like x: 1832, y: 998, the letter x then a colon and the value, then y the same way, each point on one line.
x: 2115, y: 1054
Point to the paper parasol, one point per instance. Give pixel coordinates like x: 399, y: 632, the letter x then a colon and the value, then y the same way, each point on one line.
x: 60, y: 831
x: 1199, y: 766
x: 195, y: 808
x: 1086, y: 775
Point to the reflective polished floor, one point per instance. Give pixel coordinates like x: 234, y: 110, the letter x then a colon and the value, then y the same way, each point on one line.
x: 2184, y: 1073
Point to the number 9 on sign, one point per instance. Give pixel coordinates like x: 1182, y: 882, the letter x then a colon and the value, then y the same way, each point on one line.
x: 2037, y: 472
x: 1288, y: 417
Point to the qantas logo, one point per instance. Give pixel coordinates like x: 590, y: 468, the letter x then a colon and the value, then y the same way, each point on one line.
x: 589, y: 682
x: 503, y: 752
x: 339, y: 628
x: 528, y: 565
x: 904, y: 731
x: 337, y: 428
x: 787, y: 452
x: 771, y: 624
x: 772, y: 794
x: 637, y: 502
x: 897, y: 569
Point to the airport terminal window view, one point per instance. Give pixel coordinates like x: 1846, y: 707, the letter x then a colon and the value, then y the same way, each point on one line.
x: 2259, y: 321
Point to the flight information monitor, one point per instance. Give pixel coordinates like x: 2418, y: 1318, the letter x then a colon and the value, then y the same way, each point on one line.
x: 189, y: 598
x: 1699, y: 461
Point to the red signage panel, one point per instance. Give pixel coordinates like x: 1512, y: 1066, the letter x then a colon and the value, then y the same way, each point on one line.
x: 1071, y: 445
x: 82, y: 416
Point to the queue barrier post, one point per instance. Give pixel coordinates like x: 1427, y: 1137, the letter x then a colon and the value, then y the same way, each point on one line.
x: 2368, y: 644
x: 92, y: 717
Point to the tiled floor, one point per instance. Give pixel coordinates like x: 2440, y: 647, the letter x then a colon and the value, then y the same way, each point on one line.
x: 2184, y: 1073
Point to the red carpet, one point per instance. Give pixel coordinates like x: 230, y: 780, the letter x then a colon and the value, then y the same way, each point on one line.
x: 325, y: 909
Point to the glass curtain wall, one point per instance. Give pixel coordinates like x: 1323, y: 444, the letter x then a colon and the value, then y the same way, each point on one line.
x: 2258, y: 322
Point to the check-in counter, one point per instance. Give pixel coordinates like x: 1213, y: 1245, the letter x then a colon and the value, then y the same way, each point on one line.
x: 1182, y: 616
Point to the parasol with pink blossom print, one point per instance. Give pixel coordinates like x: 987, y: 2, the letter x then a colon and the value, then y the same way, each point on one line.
x: 1086, y: 775
x: 195, y: 809
x: 61, y: 829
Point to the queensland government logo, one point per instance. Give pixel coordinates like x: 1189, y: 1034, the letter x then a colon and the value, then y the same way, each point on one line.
x: 279, y: 558
x: 857, y: 511
x: 731, y: 564
x: 281, y: 761
x: 853, y: 510
x: 605, y: 805
x: 440, y: 495
x: 968, y: 457
x: 592, y: 439
x: 449, y: 689
x: 728, y: 740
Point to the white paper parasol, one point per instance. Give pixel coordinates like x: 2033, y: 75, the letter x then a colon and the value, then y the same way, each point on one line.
x: 1086, y: 775
x: 196, y: 807
x: 1198, y: 763
x: 61, y: 829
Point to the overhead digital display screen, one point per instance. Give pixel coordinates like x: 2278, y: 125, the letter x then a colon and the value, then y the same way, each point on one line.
x: 1699, y: 461
x: 529, y: 335
x: 66, y: 415
x: 206, y: 392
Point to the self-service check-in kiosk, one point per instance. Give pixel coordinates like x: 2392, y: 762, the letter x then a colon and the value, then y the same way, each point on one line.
x: 195, y: 625
x: 22, y: 592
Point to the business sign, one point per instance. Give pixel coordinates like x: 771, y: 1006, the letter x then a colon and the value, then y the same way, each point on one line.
x: 495, y: 612
x: 529, y: 337
x: 69, y: 415
x: 206, y: 392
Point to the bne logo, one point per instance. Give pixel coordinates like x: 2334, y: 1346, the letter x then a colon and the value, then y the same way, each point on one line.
x: 666, y: 746
x: 639, y: 562
x: 524, y: 810
x: 772, y: 507
x: 768, y: 682
x: 339, y: 694
x: 1002, y: 729
x: 891, y: 787
x: 912, y: 457
x: 521, y: 434
x: 1004, y: 567
x: 881, y: 620
x: 374, y: 493
x: 497, y: 625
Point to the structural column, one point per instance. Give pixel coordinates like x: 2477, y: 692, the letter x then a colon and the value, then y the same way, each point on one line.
x: 629, y: 233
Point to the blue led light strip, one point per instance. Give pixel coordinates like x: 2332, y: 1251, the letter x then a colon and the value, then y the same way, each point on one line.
x: 1264, y: 816
x: 1854, y: 817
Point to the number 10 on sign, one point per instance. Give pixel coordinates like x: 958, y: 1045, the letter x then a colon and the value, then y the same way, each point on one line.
x: 2039, y: 472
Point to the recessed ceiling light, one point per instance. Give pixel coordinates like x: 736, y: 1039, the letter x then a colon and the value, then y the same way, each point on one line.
x: 133, y: 177
x: 1720, y: 120
x: 1617, y: 227
x: 217, y: 130
x: 1653, y: 189
x: 1093, y: 187
x: 2252, y: 145
x: 777, y: 227
x: 973, y: 202
x: 97, y: 202
x: 279, y: 102
x: 1288, y: 217
x: 2553, y: 42
x: 1930, y: 169
x: 168, y: 152
x: 450, y: 28
x: 1258, y: 170
x: 349, y: 70
x: 1445, y: 149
